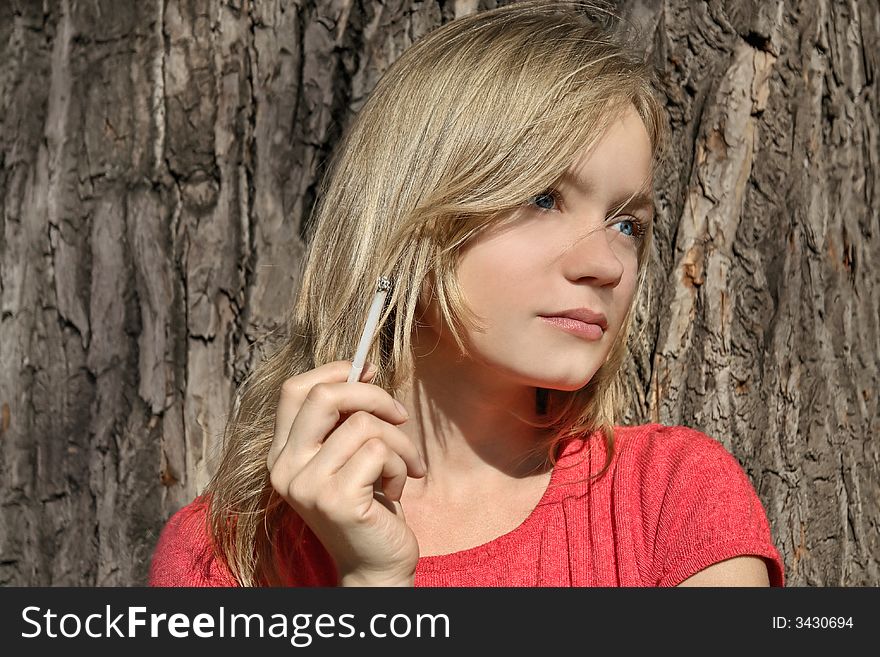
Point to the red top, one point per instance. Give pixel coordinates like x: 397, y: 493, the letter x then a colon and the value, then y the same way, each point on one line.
x: 673, y: 502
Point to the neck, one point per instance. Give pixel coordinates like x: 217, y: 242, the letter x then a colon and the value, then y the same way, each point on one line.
x: 472, y: 426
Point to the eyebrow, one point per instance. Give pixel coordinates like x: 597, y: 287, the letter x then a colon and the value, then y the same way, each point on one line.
x: 643, y: 199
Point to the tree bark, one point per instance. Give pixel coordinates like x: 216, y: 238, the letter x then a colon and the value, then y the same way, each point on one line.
x: 158, y: 167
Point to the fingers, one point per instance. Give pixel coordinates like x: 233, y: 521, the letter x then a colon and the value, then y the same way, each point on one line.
x: 327, y: 405
x: 321, y: 461
x: 293, y: 393
x: 364, y: 431
x: 337, y: 444
x: 340, y: 480
x: 372, y: 460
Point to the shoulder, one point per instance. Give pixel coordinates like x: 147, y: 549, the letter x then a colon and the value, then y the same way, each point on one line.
x: 665, y: 448
x: 696, y: 505
x: 675, y: 456
x: 670, y: 464
x: 184, y: 554
x: 649, y: 457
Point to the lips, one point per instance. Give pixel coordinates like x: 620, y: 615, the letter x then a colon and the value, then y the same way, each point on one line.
x: 584, y: 315
x: 581, y: 322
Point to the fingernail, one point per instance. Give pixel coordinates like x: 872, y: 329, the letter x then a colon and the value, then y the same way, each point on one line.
x: 400, y: 408
x: 370, y: 369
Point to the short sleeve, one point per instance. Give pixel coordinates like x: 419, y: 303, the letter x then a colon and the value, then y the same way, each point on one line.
x: 184, y: 555
x: 708, y: 512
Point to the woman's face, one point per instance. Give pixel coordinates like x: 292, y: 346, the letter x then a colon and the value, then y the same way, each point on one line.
x: 565, y: 250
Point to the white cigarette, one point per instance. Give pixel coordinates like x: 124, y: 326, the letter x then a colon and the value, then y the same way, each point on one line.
x: 360, y: 355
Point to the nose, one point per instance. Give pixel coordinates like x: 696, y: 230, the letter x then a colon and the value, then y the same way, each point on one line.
x: 593, y: 255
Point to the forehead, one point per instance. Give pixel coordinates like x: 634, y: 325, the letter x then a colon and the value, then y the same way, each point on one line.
x: 620, y: 162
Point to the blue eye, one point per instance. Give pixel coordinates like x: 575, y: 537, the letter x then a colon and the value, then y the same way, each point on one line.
x: 546, y: 200
x: 636, y: 228
x: 631, y: 225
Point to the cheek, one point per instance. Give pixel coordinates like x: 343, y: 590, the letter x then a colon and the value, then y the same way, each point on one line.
x: 624, y: 294
x: 630, y: 277
x: 493, y: 272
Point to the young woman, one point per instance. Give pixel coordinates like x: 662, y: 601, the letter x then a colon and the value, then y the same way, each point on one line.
x: 500, y: 174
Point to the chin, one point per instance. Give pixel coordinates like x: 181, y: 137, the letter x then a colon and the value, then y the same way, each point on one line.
x: 565, y: 383
x: 565, y: 387
x: 537, y: 371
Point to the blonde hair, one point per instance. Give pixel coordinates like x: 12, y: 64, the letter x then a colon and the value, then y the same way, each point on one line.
x: 466, y: 125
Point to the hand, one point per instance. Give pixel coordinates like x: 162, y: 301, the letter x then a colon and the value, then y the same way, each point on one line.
x: 341, y: 462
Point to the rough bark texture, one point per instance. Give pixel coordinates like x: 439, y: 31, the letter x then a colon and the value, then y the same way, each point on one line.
x: 158, y: 163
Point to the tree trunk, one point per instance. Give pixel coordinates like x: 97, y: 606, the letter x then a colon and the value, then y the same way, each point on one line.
x: 159, y: 163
